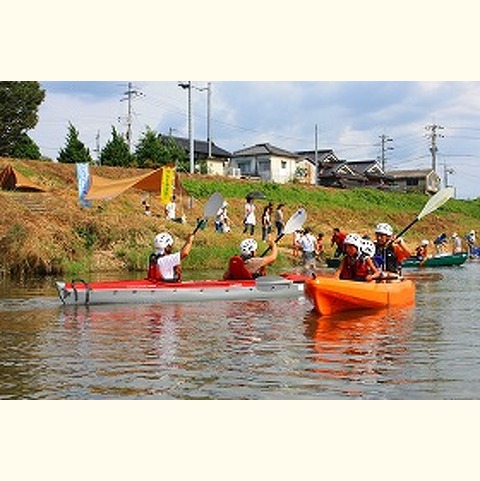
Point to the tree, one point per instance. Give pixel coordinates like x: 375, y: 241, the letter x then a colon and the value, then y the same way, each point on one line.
x: 26, y: 148
x: 19, y: 102
x: 150, y: 151
x: 176, y: 154
x: 116, y: 152
x: 74, y: 151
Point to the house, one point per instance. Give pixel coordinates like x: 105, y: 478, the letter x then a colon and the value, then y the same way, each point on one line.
x: 266, y: 162
x: 333, y: 172
x: 424, y: 180
x: 217, y: 164
x: 307, y: 167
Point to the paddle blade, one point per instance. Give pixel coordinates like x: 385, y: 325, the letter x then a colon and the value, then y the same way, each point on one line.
x: 437, y: 201
x: 295, y: 222
x: 212, y: 205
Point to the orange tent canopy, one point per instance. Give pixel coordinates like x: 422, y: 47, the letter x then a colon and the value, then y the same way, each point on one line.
x: 11, y: 179
x: 105, y: 189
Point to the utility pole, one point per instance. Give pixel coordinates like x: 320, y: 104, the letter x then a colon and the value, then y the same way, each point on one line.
x: 433, y: 146
x: 188, y: 86
x: 129, y: 95
x: 316, y: 154
x: 97, y: 147
x: 446, y: 171
x: 384, y: 139
x: 209, y: 102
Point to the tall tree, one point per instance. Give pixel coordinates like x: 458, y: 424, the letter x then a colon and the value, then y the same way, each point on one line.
x: 26, y: 148
x: 19, y: 103
x: 150, y: 151
x: 116, y: 152
x: 74, y: 151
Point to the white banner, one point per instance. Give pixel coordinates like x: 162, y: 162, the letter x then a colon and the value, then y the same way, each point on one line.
x: 83, y: 180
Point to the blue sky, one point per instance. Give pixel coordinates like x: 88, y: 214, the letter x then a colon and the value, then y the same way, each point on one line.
x: 350, y: 115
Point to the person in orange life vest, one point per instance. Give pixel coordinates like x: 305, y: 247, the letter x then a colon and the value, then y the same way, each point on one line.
x: 248, y: 265
x: 357, y: 263
x: 165, y: 265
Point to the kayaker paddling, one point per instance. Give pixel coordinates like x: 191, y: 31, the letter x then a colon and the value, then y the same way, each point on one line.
x: 247, y: 265
x: 165, y: 265
x: 389, y: 251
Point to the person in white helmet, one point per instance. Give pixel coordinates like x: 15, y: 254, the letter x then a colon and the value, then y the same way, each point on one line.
x: 247, y: 265
x: 389, y: 251
x: 357, y: 263
x: 165, y: 265
x: 421, y: 251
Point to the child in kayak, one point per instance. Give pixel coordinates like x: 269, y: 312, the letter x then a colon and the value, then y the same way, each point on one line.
x: 357, y: 263
x: 248, y: 265
x: 164, y: 265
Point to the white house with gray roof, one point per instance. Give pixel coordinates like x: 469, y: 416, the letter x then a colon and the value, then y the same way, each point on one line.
x: 266, y: 162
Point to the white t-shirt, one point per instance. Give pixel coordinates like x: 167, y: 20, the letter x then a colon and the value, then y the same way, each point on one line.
x: 170, y: 209
x: 166, y: 265
x: 307, y: 243
x: 250, y: 213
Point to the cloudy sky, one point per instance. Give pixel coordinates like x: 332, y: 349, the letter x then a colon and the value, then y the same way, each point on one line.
x: 351, y: 117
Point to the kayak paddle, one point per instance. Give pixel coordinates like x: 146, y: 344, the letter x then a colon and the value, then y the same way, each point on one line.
x: 432, y: 205
x: 210, y: 209
x: 294, y: 223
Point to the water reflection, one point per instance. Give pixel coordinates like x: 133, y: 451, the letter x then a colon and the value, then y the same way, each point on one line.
x: 363, y: 347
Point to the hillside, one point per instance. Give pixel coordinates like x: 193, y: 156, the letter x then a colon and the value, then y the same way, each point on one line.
x: 49, y: 233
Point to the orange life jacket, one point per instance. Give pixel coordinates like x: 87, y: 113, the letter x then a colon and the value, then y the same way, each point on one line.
x: 154, y: 273
x: 237, y: 269
x: 354, y: 269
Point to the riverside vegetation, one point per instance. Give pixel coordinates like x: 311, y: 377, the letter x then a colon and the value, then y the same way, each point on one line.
x: 49, y: 233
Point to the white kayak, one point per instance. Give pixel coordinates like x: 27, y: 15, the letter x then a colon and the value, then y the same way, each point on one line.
x: 152, y: 292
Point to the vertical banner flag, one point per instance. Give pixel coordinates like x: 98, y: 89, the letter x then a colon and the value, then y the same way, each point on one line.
x: 166, y: 188
x: 83, y: 180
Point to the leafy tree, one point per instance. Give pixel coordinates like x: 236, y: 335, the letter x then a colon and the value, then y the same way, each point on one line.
x: 19, y: 102
x: 74, y: 151
x: 155, y: 150
x: 150, y: 150
x: 116, y: 152
x: 26, y: 148
x: 176, y: 154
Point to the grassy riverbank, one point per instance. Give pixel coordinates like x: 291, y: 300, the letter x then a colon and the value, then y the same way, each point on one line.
x: 49, y: 233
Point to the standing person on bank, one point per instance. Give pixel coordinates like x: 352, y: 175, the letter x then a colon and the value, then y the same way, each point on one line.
x: 249, y: 219
x: 338, y: 238
x: 267, y: 221
x: 308, y: 246
x: 279, y: 220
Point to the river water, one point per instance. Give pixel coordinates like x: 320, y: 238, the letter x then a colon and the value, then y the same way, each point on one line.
x: 243, y: 350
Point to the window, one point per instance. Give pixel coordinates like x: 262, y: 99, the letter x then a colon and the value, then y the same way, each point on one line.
x: 283, y: 164
x: 412, y: 182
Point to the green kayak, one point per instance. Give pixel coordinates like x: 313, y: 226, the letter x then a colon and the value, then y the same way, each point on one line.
x: 438, y: 260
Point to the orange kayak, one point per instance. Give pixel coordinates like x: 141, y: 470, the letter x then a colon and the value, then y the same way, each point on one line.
x: 329, y: 295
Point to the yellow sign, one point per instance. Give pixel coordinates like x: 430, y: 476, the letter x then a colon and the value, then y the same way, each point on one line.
x: 168, y: 181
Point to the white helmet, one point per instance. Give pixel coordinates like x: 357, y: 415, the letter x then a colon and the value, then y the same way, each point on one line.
x: 248, y: 247
x: 368, y: 247
x: 162, y: 241
x: 425, y: 242
x: 354, y: 240
x: 384, y: 229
